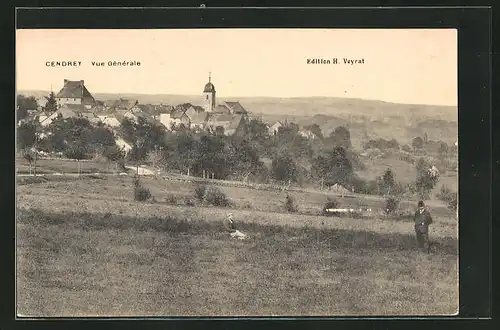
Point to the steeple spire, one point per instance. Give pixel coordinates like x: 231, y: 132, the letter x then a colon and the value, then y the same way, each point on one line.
x: 210, y: 77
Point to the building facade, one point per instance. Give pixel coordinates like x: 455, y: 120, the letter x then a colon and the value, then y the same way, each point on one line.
x: 209, y: 95
x: 75, y: 92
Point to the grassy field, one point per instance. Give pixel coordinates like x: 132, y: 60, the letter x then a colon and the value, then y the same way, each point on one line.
x: 85, y: 247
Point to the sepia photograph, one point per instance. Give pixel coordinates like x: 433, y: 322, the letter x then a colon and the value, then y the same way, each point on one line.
x: 236, y: 172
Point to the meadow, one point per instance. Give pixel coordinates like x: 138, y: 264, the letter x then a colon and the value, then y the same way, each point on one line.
x: 85, y: 247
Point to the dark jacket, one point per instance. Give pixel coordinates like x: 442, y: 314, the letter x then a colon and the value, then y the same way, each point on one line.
x: 422, y: 219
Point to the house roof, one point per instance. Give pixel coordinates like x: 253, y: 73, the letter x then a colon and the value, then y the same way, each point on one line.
x: 221, y: 108
x: 74, y: 89
x: 122, y: 104
x: 236, y: 107
x: 224, y: 120
x: 199, y: 118
x: 177, y: 114
x: 42, y: 100
x: 219, y: 117
x: 149, y: 108
x: 89, y: 115
x: 67, y: 112
x: 164, y: 108
x: 98, y: 109
x: 144, y: 115
x: 235, y: 121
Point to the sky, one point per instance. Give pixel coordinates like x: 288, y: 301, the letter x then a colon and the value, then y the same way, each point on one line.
x: 414, y: 66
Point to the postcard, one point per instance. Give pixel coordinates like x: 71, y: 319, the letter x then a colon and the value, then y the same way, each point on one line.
x: 236, y: 172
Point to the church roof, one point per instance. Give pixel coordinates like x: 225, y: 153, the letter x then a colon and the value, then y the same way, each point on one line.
x: 209, y: 88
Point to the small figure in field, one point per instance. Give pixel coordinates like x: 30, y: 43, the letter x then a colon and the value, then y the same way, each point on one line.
x: 422, y: 221
x: 231, y: 228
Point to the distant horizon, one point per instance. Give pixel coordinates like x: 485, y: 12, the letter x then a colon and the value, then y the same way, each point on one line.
x: 243, y: 97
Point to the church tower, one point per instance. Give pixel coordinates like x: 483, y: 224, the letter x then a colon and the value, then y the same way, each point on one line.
x: 209, y: 95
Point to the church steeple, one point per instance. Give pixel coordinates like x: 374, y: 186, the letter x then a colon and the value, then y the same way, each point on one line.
x: 209, y: 95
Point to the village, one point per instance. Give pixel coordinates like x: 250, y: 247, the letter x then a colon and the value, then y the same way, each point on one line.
x: 74, y: 100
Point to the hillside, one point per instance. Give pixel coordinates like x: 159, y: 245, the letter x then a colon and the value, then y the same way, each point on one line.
x: 367, y: 119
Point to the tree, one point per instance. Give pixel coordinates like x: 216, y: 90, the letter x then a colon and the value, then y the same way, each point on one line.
x: 29, y: 155
x: 341, y: 137
x: 113, y: 153
x: 257, y: 131
x: 155, y: 157
x: 137, y: 153
x: 417, y: 143
x: 316, y: 130
x: 26, y: 135
x: 443, y: 149
x: 51, y: 105
x: 78, y: 152
x: 284, y: 168
x: 334, y: 168
x: 427, y: 178
x: 24, y: 104
x: 388, y: 181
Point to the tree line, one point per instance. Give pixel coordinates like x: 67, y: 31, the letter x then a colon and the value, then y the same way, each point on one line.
x: 324, y: 160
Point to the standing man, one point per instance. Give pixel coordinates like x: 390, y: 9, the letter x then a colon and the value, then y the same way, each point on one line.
x: 422, y: 219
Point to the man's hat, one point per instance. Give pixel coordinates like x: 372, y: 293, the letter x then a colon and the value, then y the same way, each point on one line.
x: 421, y: 204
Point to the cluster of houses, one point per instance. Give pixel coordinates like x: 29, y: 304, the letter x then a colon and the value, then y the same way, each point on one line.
x: 75, y: 100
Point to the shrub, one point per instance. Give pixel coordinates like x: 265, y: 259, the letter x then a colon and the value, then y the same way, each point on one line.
x: 444, y: 193
x: 216, y: 197
x: 453, y: 202
x: 391, y: 205
x: 330, y: 204
x: 189, y: 202
x: 290, y: 205
x: 140, y: 193
x: 199, y: 192
x: 171, y: 199
x: 450, y: 197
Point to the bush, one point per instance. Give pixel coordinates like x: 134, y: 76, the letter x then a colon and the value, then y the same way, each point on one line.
x: 216, y: 197
x: 453, y: 202
x: 199, y: 192
x: 444, y: 193
x: 391, y: 205
x: 367, y: 187
x: 171, y: 199
x: 290, y: 205
x: 450, y: 197
x: 189, y: 202
x: 140, y: 193
x: 330, y: 204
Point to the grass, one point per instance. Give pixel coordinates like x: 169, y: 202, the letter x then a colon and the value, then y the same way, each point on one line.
x: 91, y: 264
x: 85, y: 247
